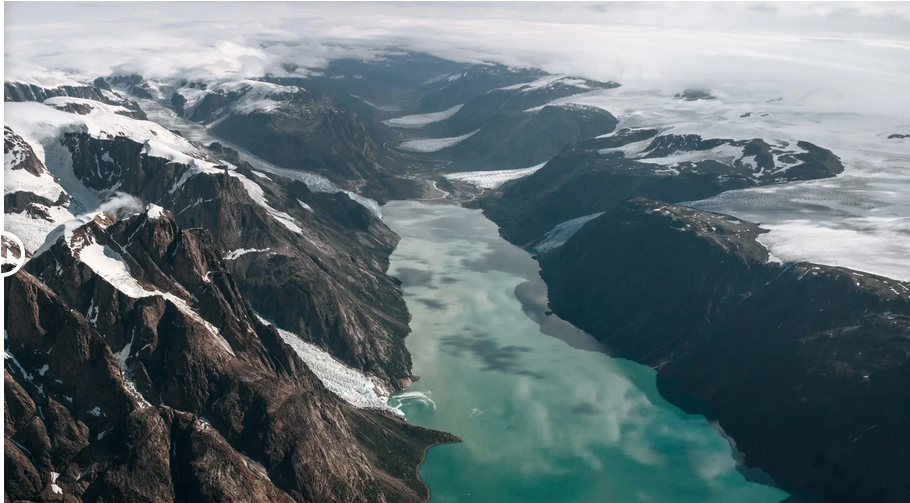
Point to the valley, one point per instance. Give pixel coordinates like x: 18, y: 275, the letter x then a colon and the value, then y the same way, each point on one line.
x: 587, y: 291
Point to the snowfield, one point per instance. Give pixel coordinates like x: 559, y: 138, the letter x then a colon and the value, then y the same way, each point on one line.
x: 110, y: 265
x: 20, y: 180
x: 420, y: 120
x: 434, y: 144
x: 859, y: 219
x: 492, y: 179
x: 547, y: 81
x: 42, y: 126
x: 252, y: 95
x: 33, y: 231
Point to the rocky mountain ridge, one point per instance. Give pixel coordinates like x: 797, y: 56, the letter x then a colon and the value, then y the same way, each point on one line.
x: 189, y: 395
x: 199, y: 383
x: 600, y: 174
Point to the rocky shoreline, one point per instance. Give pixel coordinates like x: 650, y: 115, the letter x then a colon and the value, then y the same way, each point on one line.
x: 734, y: 337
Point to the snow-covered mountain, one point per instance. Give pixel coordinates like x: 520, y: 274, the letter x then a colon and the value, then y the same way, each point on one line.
x: 156, y: 251
x: 596, y: 175
x: 199, y: 238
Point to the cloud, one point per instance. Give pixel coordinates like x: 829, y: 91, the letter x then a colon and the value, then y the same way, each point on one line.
x: 852, y: 51
x: 122, y: 204
x: 835, y: 74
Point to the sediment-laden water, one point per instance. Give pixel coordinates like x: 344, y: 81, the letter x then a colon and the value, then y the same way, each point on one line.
x: 545, y: 415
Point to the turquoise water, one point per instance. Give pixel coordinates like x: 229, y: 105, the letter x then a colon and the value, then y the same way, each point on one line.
x: 544, y: 414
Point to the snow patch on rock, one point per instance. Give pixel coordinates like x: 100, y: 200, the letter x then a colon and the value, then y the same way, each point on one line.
x: 235, y: 254
x: 154, y: 211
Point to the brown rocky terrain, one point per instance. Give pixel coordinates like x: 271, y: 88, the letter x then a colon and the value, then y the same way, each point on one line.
x: 320, y: 274
x: 136, y: 371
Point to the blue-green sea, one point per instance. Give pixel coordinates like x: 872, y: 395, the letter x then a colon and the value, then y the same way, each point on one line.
x: 545, y: 414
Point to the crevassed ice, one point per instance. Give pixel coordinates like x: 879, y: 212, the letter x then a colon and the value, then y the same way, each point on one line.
x: 493, y: 179
x: 353, y: 386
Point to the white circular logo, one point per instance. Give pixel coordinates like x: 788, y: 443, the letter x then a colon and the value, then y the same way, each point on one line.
x: 8, y: 254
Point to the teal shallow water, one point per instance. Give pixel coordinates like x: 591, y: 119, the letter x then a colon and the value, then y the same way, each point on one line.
x: 544, y: 415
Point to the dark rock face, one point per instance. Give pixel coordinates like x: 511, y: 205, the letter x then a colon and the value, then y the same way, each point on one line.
x: 303, y: 131
x: 516, y: 127
x: 526, y: 139
x: 226, y: 153
x: 326, y: 282
x: 316, y: 137
x: 17, y: 91
x: 804, y: 365
x: 74, y: 108
x: 23, y: 155
x: 588, y: 178
x: 19, y: 201
x: 694, y: 95
x: 177, y: 103
x: 467, y: 85
x: 168, y: 388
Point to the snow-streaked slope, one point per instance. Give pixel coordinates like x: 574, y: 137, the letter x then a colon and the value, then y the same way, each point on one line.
x: 247, y: 95
x: 235, y: 254
x: 198, y: 133
x: 43, y: 126
x: 420, y: 120
x: 493, y: 179
x: 434, y: 144
x: 351, y: 385
x: 859, y: 219
x: 33, y: 231
x: 560, y: 234
x: 20, y: 180
x: 258, y: 195
x: 110, y: 265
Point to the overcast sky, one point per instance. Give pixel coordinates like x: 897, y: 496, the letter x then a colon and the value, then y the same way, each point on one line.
x: 854, y: 54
